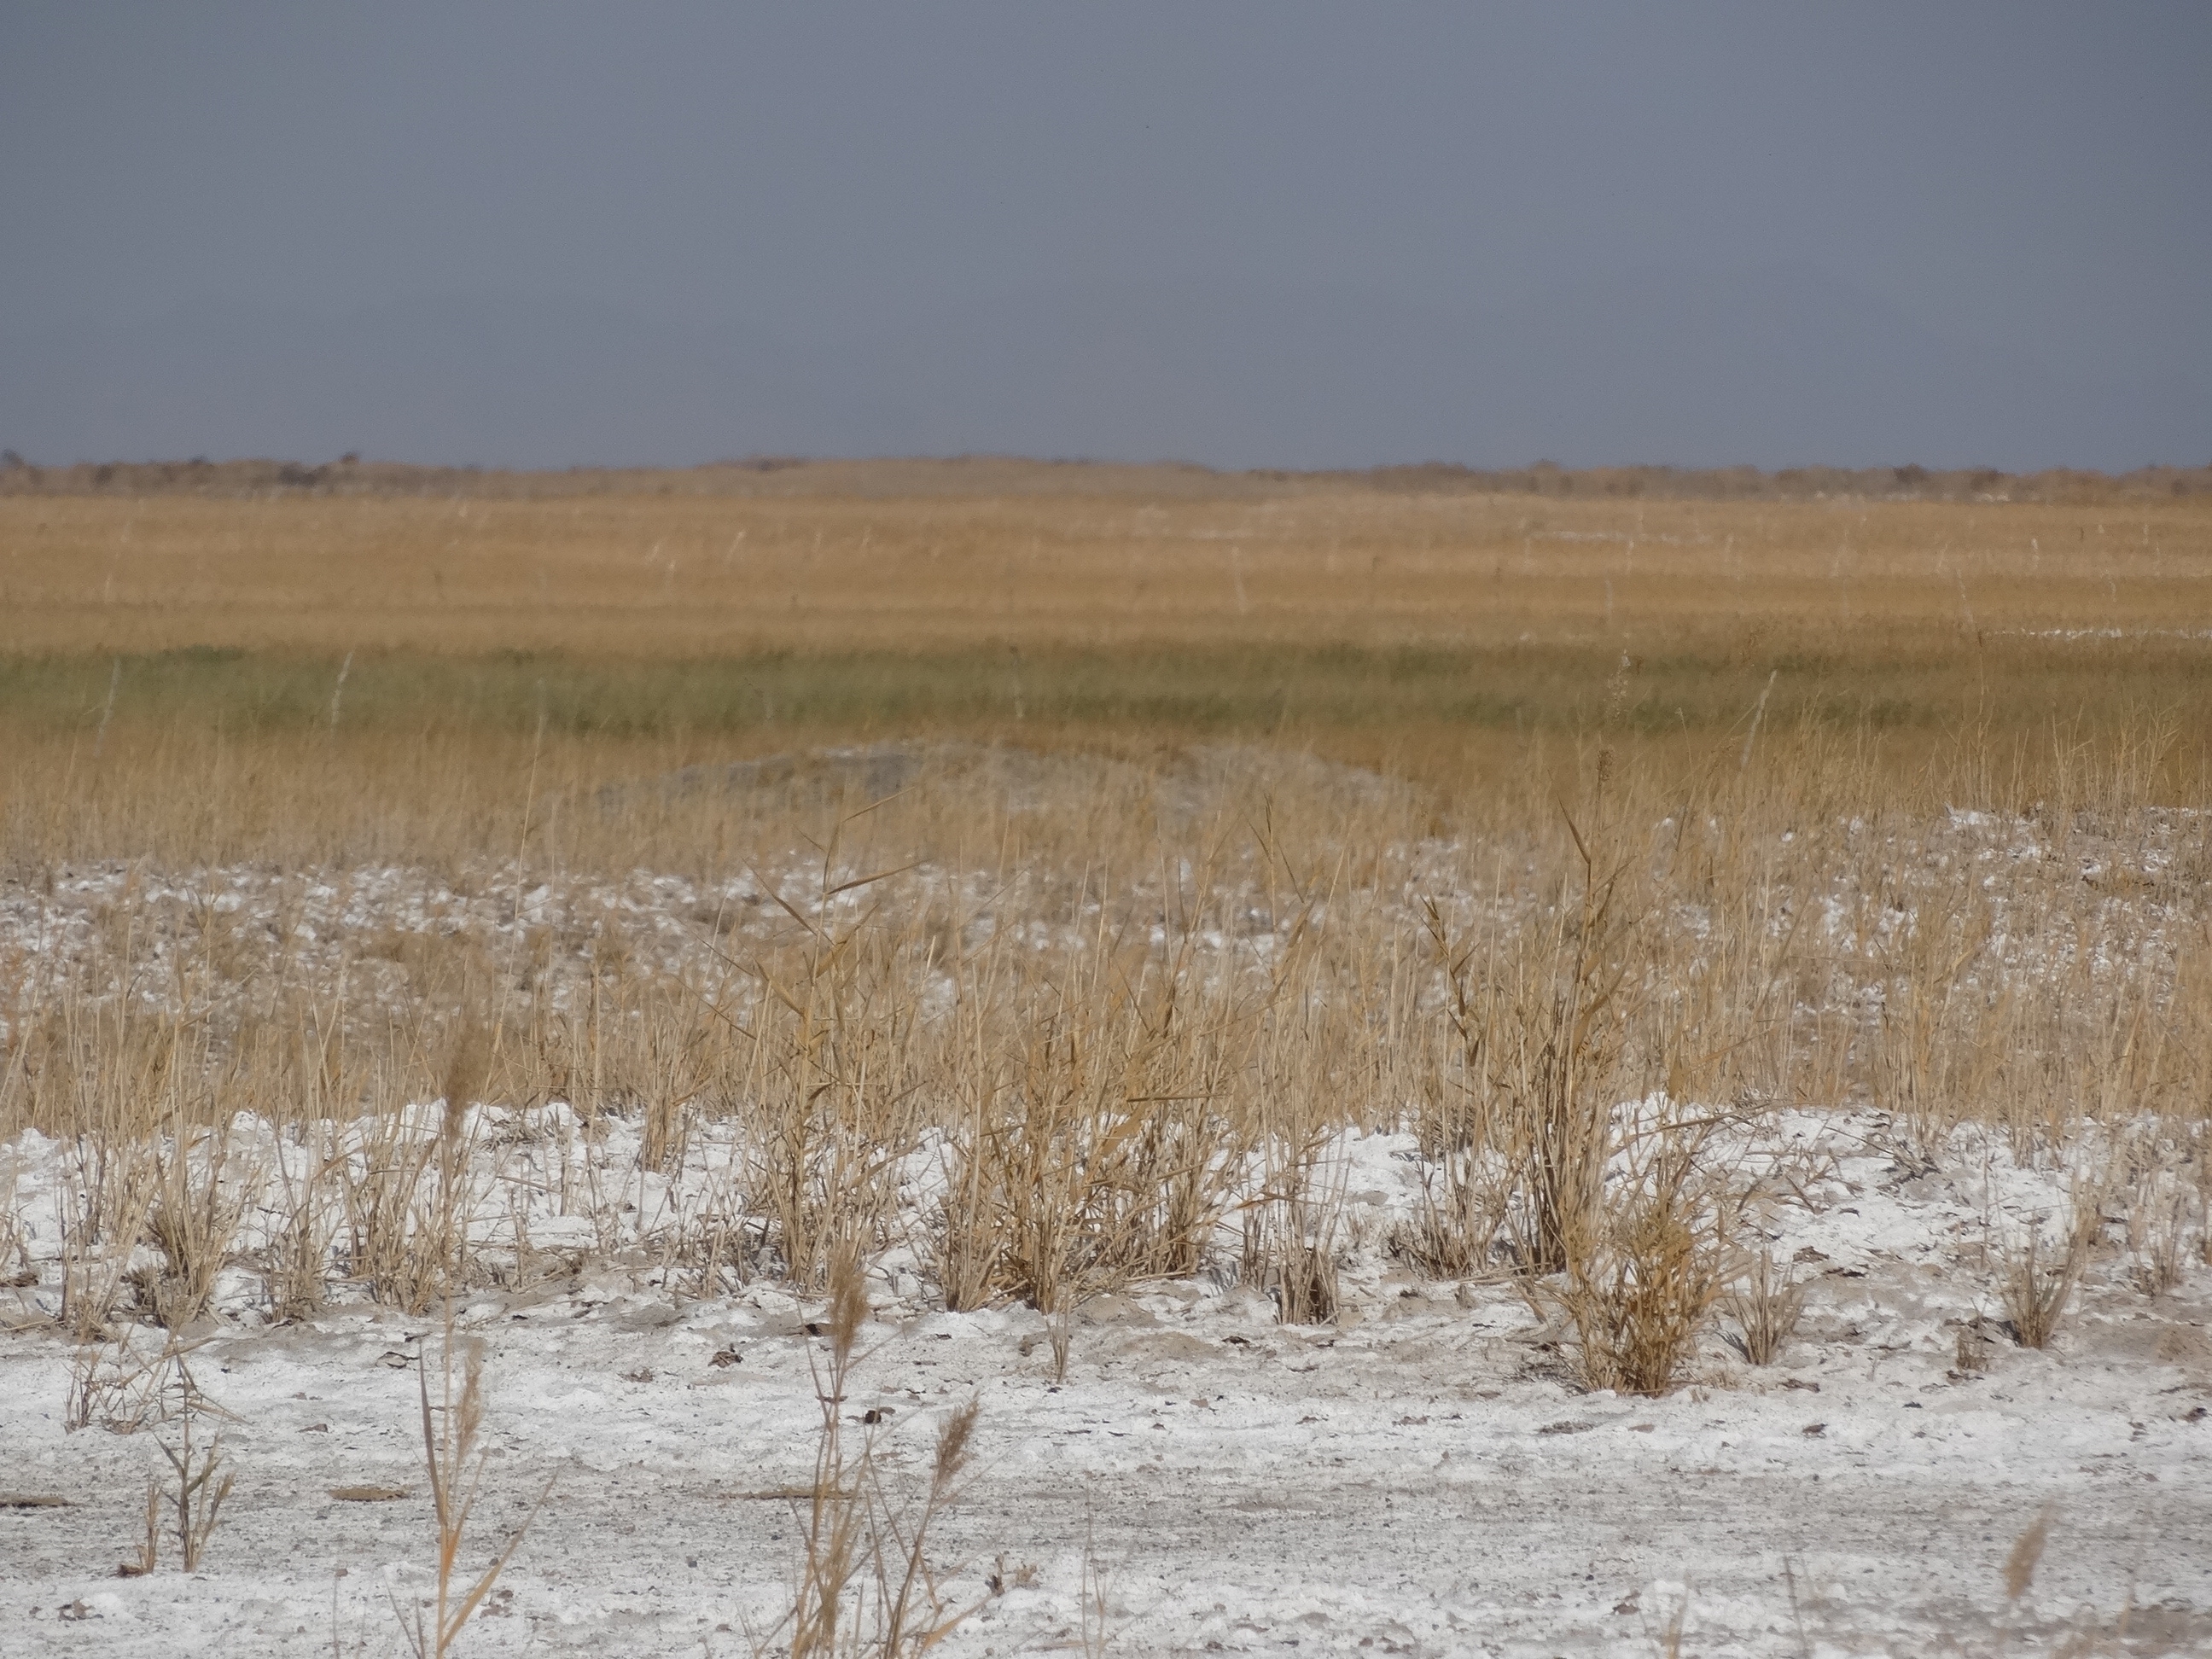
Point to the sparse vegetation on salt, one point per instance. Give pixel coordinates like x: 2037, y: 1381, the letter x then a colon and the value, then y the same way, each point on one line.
x: 1356, y: 1046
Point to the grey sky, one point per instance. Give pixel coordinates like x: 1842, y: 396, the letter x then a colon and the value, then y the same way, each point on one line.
x: 1243, y: 235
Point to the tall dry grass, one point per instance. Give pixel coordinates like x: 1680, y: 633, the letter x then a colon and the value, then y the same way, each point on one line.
x: 352, y: 815
x: 1116, y: 1017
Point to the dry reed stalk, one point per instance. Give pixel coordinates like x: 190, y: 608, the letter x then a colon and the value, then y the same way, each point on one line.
x: 916, y: 1615
x: 202, y: 1483
x: 454, y: 1465
x: 1666, y: 1638
x: 866, y: 1584
x: 1093, y: 1632
x: 836, y: 1504
x: 150, y: 1543
x: 1060, y: 1335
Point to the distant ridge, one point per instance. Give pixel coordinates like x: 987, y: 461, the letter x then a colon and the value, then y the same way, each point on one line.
x: 995, y: 474
x: 1776, y: 367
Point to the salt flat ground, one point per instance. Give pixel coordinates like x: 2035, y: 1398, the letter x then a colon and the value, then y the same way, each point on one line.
x: 1424, y: 1478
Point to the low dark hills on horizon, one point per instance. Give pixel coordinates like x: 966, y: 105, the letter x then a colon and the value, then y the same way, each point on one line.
x: 1773, y: 367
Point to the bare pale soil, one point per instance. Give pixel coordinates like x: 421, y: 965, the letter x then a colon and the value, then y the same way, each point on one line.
x: 1424, y: 1476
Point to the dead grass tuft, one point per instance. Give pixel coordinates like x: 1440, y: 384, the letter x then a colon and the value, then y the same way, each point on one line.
x: 1766, y: 1311
x: 1640, y: 1294
x: 2037, y: 1286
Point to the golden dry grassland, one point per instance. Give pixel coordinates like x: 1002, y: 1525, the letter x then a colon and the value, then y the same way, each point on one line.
x: 1184, y: 823
x: 437, y: 646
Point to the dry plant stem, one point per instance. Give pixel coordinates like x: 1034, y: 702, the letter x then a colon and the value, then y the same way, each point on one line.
x: 916, y: 1616
x: 149, y: 1544
x: 1059, y: 1333
x: 201, y: 1484
x: 866, y: 1582
x: 1092, y: 1633
x: 454, y: 1466
x: 836, y: 1504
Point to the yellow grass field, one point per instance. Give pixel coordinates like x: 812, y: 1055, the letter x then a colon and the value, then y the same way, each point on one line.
x: 441, y: 647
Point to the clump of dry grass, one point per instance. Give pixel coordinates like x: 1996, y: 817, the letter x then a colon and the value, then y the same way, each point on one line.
x: 2160, y: 1214
x: 295, y: 1263
x: 1289, y: 1232
x: 1640, y: 1291
x: 191, y: 1222
x: 2037, y: 1285
x: 1306, y: 1285
x: 1544, y: 1038
x: 1766, y: 1310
